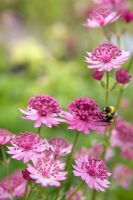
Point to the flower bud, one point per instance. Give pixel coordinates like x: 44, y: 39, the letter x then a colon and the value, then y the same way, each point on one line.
x: 127, y: 15
x: 97, y: 75
x: 26, y: 175
x: 123, y: 76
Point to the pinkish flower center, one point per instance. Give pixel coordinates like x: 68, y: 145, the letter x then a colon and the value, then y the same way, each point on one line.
x: 96, y: 168
x: 100, y: 14
x: 45, y: 105
x: 85, y: 109
x: 58, y: 144
x: 26, y: 140
x: 47, y: 168
x: 105, y: 53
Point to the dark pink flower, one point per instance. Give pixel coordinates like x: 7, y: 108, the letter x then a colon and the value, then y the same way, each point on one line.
x: 122, y: 135
x: 5, y: 136
x: 123, y: 176
x: 106, y: 56
x: 77, y: 196
x: 127, y: 15
x: 26, y: 146
x: 26, y: 175
x: 17, y: 184
x: 85, y: 114
x: 97, y: 75
x: 93, y: 171
x: 46, y: 171
x: 59, y: 146
x: 123, y: 76
x: 101, y: 16
x: 43, y: 110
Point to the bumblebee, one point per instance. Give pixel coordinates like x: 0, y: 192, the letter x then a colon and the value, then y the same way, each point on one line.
x: 109, y: 114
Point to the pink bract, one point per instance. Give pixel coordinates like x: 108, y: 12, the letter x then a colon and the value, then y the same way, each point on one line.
x: 106, y: 57
x: 59, y: 146
x: 93, y: 171
x: 5, y: 136
x: 123, y: 176
x: 84, y: 114
x: 43, y: 110
x: 26, y: 146
x: 101, y: 16
x: 77, y: 196
x: 17, y: 184
x: 46, y: 171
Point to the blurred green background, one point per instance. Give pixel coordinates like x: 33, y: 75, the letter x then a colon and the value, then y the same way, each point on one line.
x: 42, y: 49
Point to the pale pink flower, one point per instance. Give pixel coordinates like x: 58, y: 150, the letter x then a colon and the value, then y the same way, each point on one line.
x: 17, y: 184
x: 43, y: 110
x: 95, y: 151
x: 101, y: 16
x: 59, y: 146
x: 123, y: 176
x: 106, y: 57
x: 122, y: 135
x: 46, y: 171
x: 84, y: 115
x: 26, y: 146
x: 77, y: 196
x: 5, y: 136
x: 127, y: 153
x: 93, y: 171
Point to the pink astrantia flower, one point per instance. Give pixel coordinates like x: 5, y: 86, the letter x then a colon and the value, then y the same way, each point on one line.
x: 93, y: 171
x: 127, y: 153
x: 127, y: 15
x: 85, y: 114
x: 122, y: 135
x: 123, y: 176
x: 106, y: 57
x: 26, y: 146
x: 43, y: 110
x: 95, y: 151
x: 101, y: 16
x: 47, y: 172
x: 77, y: 196
x: 59, y: 146
x: 5, y: 136
x: 17, y: 184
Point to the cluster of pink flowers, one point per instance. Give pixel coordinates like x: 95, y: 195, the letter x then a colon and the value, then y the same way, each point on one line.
x: 5, y: 136
x: 16, y: 188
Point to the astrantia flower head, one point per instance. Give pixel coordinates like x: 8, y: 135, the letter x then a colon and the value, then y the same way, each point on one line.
x: 59, y: 146
x: 93, y: 171
x: 101, y: 16
x: 17, y: 184
x: 43, y: 110
x: 26, y: 146
x: 122, y: 135
x: 127, y: 153
x: 123, y: 76
x: 85, y: 114
x: 77, y: 196
x: 5, y: 136
x: 47, y: 172
x: 123, y: 176
x: 127, y: 15
x: 106, y: 57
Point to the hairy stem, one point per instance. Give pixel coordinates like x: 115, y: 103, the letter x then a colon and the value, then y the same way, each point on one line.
x: 107, y: 88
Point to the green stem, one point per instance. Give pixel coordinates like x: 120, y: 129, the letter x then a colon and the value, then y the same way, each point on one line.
x: 71, y: 154
x: 68, y: 160
x: 130, y: 64
x: 26, y: 190
x: 75, y: 190
x: 119, y: 98
x: 39, y: 130
x: 94, y: 194
x: 107, y: 88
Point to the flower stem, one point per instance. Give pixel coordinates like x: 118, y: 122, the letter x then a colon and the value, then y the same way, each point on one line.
x: 94, y: 194
x: 71, y: 154
x: 75, y: 190
x: 39, y: 130
x: 26, y: 190
x: 107, y: 88
x: 119, y: 98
